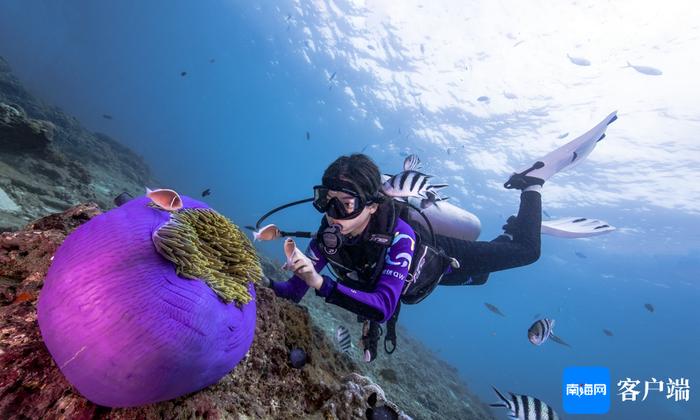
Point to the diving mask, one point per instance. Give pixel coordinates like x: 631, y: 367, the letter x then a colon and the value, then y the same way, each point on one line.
x: 339, y: 209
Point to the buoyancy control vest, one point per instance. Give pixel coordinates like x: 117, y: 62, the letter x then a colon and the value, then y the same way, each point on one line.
x: 358, y: 264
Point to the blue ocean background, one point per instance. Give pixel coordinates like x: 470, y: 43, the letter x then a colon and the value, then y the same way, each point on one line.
x: 261, y: 75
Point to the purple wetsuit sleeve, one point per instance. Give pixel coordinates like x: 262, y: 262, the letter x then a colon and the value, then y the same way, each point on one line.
x: 380, y: 303
x: 295, y: 288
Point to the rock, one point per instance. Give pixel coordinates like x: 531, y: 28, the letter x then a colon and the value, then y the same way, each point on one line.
x: 19, y: 134
x: 415, y: 379
x: 48, y: 161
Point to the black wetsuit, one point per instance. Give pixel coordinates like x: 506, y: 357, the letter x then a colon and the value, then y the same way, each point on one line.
x: 478, y: 258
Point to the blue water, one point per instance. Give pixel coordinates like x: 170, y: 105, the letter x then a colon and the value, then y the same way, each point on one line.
x: 238, y: 126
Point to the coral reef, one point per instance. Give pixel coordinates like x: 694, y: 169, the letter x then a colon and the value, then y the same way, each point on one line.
x: 264, y: 385
x: 49, y: 162
x: 414, y: 377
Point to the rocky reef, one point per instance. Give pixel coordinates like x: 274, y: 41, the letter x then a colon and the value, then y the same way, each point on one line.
x: 331, y: 385
x: 49, y: 162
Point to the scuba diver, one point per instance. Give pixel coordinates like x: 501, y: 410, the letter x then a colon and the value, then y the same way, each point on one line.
x: 393, y: 239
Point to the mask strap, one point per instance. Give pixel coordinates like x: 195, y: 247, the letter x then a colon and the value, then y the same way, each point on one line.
x: 276, y: 209
x: 297, y: 234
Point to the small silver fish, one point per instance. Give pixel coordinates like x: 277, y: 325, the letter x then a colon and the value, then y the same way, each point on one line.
x: 342, y: 337
x: 493, y: 309
x: 650, y: 71
x: 483, y: 99
x: 525, y: 407
x: 607, y: 332
x: 579, y: 61
x: 649, y: 307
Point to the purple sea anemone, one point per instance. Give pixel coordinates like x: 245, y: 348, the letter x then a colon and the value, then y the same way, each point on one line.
x: 127, y: 326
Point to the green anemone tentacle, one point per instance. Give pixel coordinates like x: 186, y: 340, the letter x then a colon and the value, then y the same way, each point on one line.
x: 205, y: 245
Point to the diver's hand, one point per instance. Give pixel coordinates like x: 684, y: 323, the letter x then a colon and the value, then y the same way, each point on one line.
x: 304, y: 269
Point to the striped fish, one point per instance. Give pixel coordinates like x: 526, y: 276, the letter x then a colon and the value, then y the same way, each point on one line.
x: 410, y: 182
x: 540, y: 331
x: 524, y: 407
x: 342, y: 337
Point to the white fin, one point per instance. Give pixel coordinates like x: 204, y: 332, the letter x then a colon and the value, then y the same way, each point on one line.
x: 573, y: 152
x: 575, y: 227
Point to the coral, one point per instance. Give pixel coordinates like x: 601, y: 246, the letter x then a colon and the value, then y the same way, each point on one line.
x: 205, y: 245
x: 123, y: 327
x: 21, y: 134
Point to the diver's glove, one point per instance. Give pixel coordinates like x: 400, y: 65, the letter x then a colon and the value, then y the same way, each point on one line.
x: 520, y: 181
x: 371, y: 331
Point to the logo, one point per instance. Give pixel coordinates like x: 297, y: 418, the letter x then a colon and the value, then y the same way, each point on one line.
x: 586, y: 390
x: 403, y: 259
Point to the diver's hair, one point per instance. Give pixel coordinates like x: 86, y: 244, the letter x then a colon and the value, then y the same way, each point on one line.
x: 359, y: 170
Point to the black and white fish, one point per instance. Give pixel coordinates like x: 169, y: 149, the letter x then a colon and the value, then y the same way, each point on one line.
x: 540, y: 331
x: 206, y: 192
x: 649, y: 307
x: 432, y: 200
x: 525, y: 407
x: 649, y: 71
x: 410, y: 182
x: 342, y: 337
x: 607, y: 332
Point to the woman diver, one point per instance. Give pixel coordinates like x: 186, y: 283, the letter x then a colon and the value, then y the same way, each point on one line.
x: 383, y: 254
x: 371, y: 255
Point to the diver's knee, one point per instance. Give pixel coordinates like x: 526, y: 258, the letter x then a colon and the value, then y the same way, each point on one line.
x: 533, y: 255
